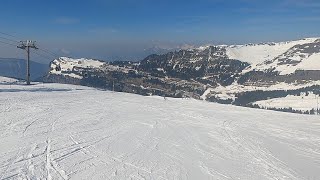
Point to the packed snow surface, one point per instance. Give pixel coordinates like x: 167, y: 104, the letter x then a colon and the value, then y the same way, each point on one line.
x: 54, y: 131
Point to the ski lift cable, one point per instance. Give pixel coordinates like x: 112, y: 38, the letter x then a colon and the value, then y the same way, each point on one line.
x: 48, y: 52
x: 10, y: 35
x: 16, y: 37
x: 9, y: 39
x: 3, y: 42
x: 42, y: 55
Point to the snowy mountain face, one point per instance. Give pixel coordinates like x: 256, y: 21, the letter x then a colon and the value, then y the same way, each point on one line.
x: 258, y: 53
x: 224, y: 74
x: 299, y: 57
x: 209, y: 65
x: 299, y: 63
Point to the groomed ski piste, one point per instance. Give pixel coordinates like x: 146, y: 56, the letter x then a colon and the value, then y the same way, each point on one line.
x: 56, y: 131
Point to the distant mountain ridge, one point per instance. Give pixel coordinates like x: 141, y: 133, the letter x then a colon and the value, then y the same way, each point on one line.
x: 202, y: 72
x: 16, y: 68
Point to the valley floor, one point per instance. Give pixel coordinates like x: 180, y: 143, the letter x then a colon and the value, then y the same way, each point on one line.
x: 54, y: 131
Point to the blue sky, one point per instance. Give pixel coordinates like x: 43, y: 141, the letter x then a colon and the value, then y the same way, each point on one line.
x: 108, y: 28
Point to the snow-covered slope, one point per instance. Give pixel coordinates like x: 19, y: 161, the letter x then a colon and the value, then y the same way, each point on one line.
x: 303, y: 102
x: 226, y: 92
x: 54, y: 131
x: 258, y: 53
x: 299, y: 57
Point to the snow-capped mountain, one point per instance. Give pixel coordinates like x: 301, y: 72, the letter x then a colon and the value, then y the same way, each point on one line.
x: 206, y: 72
x: 179, y: 73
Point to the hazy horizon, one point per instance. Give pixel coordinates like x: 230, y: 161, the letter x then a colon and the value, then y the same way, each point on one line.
x: 125, y: 29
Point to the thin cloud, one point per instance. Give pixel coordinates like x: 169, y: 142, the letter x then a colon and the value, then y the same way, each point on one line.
x: 106, y: 30
x: 65, y: 51
x: 302, y: 3
x: 278, y: 6
x: 66, y: 20
x: 279, y: 20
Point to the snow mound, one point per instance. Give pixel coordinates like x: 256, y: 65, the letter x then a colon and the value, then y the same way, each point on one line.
x: 7, y: 80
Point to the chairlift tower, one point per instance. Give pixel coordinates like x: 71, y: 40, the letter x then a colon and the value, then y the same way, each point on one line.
x: 26, y: 45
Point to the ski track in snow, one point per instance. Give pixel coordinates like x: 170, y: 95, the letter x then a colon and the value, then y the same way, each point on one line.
x: 83, y: 133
